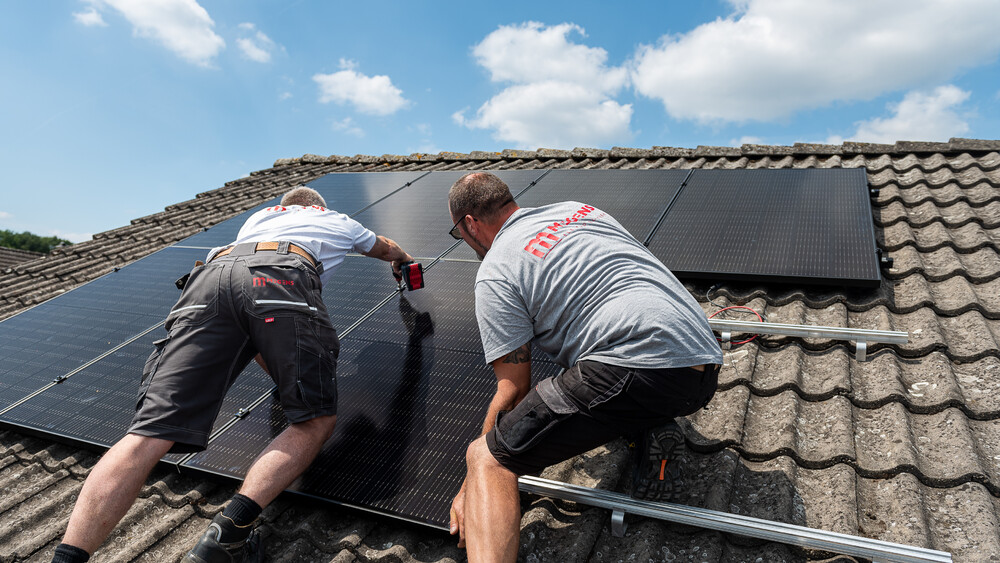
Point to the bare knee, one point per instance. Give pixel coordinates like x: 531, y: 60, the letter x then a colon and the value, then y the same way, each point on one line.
x: 478, y: 455
x: 319, y: 428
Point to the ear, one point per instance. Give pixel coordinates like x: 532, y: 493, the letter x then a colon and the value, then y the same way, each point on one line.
x: 472, y: 225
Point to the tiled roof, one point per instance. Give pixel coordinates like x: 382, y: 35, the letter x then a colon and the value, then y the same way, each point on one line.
x: 904, y: 447
x: 12, y: 256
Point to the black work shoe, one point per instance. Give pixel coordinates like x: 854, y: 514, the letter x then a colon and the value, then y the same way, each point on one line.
x: 656, y: 472
x: 210, y: 549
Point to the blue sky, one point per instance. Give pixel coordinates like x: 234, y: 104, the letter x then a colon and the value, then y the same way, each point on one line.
x: 114, y: 109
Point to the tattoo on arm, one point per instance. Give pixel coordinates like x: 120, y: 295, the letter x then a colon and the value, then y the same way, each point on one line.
x: 519, y: 356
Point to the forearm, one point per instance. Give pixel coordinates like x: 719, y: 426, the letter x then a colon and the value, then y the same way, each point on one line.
x: 503, y: 400
x: 391, y: 251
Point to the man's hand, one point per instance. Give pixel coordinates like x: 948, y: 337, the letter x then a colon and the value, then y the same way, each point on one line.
x: 458, y: 516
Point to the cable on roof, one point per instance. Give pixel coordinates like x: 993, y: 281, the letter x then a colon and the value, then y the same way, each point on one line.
x: 732, y: 307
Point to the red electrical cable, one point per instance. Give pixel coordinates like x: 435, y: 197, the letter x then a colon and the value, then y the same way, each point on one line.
x: 759, y: 318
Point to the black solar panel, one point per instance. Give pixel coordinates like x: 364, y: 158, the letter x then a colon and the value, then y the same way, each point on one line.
x: 224, y: 232
x: 445, y: 307
x: 635, y: 198
x: 358, y: 286
x: 146, y: 286
x: 807, y: 226
x: 417, y: 217
x: 406, y: 414
x: 50, y: 340
x: 96, y: 404
x: 350, y: 192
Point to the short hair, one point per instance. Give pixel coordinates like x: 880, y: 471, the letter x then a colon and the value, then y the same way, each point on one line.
x: 479, y: 194
x: 303, y: 196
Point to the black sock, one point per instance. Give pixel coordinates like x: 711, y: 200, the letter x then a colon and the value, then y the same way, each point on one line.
x: 240, y: 513
x: 66, y: 553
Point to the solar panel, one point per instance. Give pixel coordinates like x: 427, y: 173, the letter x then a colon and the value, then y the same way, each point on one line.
x: 358, y: 286
x: 406, y: 413
x: 635, y: 198
x: 95, y: 405
x: 417, y: 216
x: 804, y: 226
x: 350, y: 192
x: 224, y: 232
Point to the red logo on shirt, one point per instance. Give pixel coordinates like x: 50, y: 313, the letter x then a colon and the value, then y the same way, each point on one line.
x: 546, y: 241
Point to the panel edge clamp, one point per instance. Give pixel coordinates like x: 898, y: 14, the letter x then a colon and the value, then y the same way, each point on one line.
x: 242, y: 412
x: 861, y: 351
x: 726, y: 340
x: 618, y: 525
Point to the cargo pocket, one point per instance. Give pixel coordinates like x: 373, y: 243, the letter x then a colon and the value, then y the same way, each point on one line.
x: 149, y: 369
x: 316, y: 365
x: 550, y: 406
x: 199, y: 302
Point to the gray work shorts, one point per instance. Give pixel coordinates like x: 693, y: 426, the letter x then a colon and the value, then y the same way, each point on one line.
x: 232, y: 308
x: 591, y: 404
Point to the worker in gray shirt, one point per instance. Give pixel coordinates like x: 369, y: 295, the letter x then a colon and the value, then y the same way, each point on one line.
x: 636, y: 348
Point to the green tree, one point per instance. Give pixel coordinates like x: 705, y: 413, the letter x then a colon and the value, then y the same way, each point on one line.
x: 30, y: 241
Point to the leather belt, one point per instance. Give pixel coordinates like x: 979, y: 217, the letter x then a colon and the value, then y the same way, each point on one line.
x: 271, y: 246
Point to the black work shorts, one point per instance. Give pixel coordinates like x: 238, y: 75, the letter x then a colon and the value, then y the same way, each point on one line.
x: 591, y: 404
x: 231, y: 309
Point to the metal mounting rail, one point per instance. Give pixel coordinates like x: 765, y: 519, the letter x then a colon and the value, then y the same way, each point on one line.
x: 809, y: 538
x: 861, y: 337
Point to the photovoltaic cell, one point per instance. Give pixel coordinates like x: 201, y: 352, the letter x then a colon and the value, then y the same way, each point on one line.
x: 417, y: 216
x: 635, y: 198
x: 804, y: 226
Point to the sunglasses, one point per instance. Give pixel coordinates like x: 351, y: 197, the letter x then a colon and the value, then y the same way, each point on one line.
x: 454, y: 232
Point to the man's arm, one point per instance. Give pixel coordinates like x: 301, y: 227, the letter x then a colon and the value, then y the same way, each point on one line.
x: 513, y: 373
x: 386, y: 249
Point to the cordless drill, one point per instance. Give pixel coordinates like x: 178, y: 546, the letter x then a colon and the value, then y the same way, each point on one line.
x: 412, y: 274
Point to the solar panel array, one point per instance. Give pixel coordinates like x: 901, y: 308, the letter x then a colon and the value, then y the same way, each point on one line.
x: 412, y: 383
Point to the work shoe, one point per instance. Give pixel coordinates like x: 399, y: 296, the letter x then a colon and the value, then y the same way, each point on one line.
x: 210, y: 549
x: 656, y: 471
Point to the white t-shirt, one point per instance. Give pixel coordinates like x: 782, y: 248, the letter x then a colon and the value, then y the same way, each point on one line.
x: 324, y: 233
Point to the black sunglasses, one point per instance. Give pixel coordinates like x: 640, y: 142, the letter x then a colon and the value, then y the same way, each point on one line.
x: 455, y: 234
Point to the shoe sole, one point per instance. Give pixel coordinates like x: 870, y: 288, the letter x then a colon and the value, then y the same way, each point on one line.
x: 660, y: 478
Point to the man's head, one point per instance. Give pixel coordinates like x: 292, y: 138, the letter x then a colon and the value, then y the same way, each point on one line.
x: 303, y: 196
x: 479, y: 203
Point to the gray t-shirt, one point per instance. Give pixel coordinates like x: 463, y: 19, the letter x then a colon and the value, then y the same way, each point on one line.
x: 573, y: 279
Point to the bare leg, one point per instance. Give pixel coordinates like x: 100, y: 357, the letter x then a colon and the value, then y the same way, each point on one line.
x: 285, y: 458
x: 492, y: 507
x: 111, y: 488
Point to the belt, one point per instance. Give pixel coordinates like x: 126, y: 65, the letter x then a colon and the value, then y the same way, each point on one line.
x: 271, y: 246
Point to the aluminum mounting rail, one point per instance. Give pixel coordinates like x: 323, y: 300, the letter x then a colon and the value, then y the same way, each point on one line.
x: 861, y: 337
x: 800, y: 536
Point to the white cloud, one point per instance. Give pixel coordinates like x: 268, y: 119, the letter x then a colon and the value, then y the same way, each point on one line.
x: 256, y: 46
x: 560, y: 92
x: 921, y: 116
x: 5, y: 215
x: 347, y: 126
x: 284, y: 96
x: 373, y: 95
x: 72, y: 237
x: 772, y: 58
x: 182, y: 26
x: 90, y: 18
x: 746, y: 140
